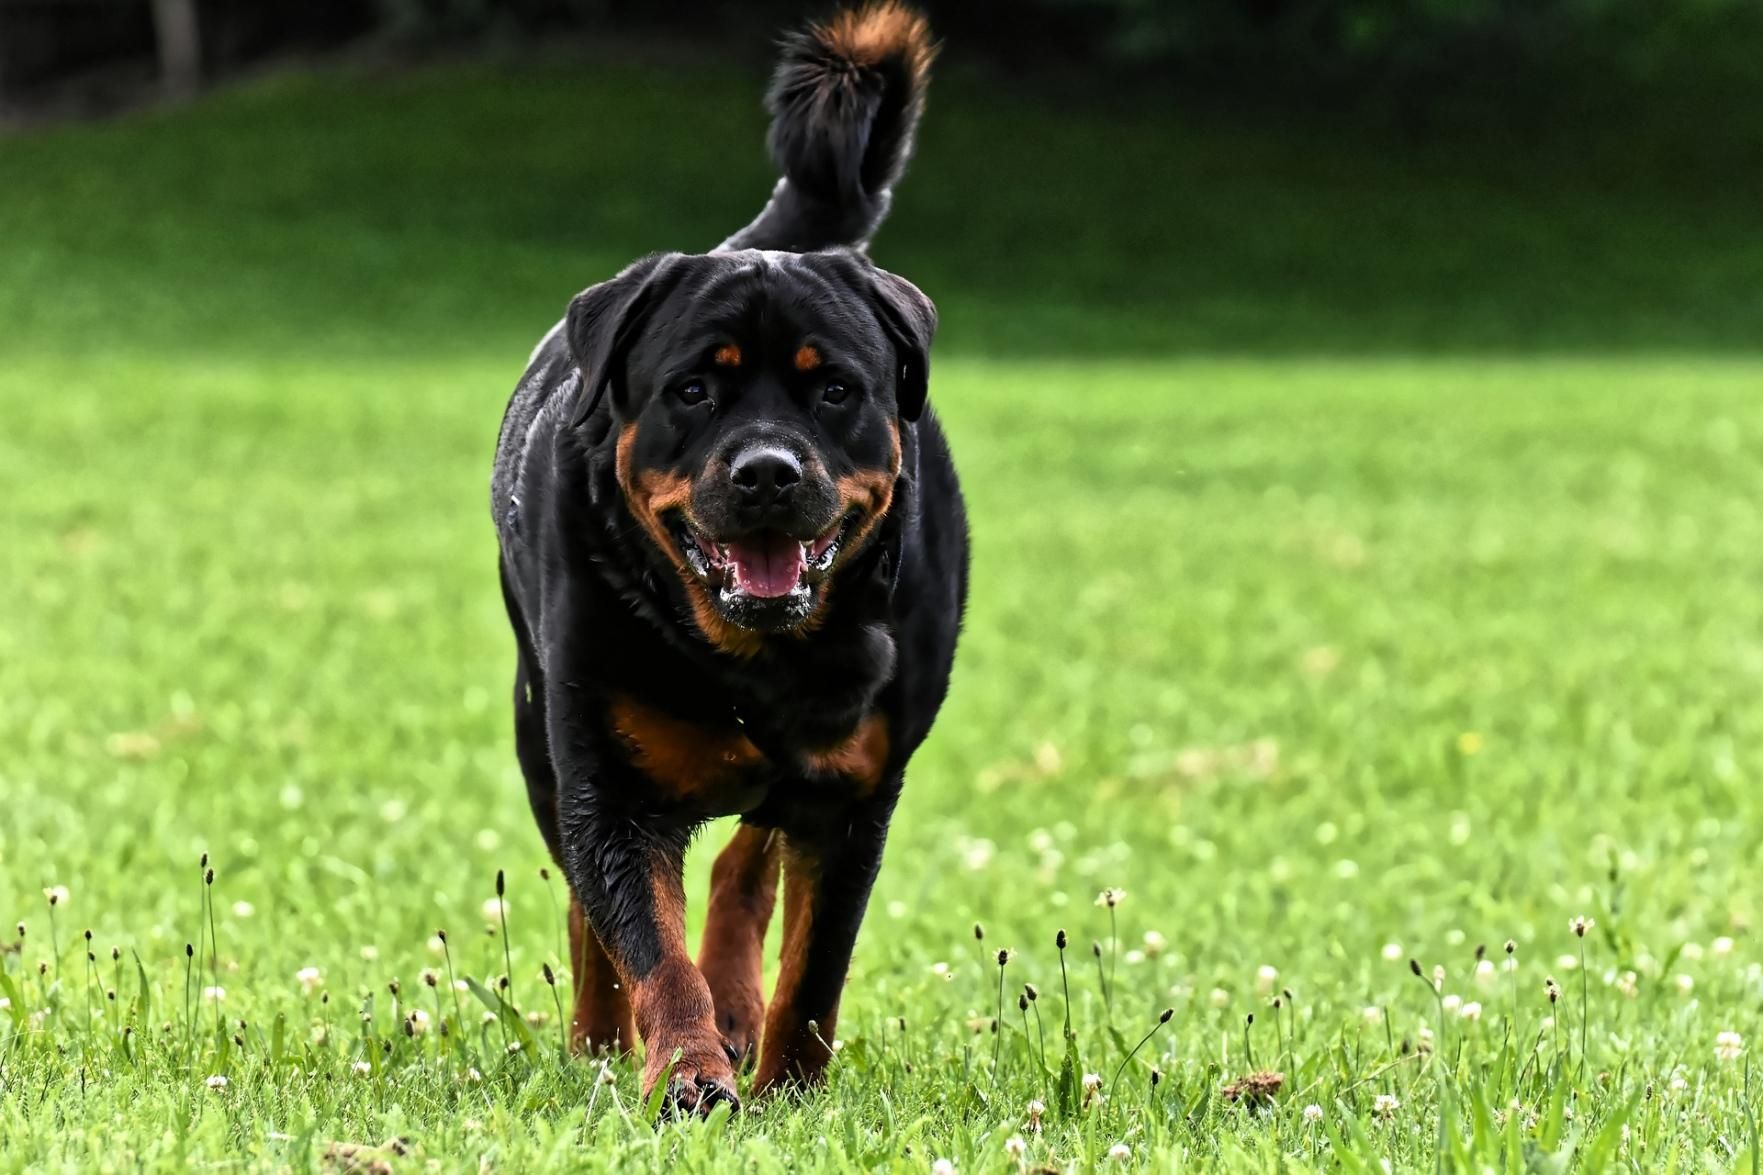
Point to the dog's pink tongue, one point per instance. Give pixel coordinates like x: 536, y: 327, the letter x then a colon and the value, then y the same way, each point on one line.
x: 768, y: 564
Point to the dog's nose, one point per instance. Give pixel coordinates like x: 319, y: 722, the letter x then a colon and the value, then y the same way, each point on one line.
x: 765, y: 476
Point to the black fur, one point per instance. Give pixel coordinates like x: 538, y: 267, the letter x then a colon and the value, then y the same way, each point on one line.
x: 676, y: 373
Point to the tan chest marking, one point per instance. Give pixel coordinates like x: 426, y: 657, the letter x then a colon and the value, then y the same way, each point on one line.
x: 686, y: 760
x: 862, y: 758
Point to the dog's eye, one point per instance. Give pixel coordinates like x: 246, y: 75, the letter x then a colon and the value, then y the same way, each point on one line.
x: 693, y: 392
x: 835, y: 393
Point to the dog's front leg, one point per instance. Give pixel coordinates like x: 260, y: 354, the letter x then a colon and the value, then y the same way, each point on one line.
x: 626, y: 865
x: 828, y: 872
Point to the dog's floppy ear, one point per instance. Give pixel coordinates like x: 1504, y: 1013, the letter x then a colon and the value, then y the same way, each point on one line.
x: 910, y: 320
x: 604, y: 321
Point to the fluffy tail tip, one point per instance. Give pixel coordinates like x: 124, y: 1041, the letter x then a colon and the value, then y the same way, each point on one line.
x: 846, y: 99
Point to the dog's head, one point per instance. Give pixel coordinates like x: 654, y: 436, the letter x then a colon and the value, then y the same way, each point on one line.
x: 757, y: 401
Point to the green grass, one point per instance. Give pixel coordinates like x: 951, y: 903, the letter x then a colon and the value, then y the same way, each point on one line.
x: 1367, y: 550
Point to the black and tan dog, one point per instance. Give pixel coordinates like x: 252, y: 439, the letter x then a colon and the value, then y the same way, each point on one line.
x: 735, y: 557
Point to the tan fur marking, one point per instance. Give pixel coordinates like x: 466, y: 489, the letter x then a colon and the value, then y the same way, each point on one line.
x: 648, y: 496
x: 876, y: 31
x: 684, y: 759
x: 789, y: 1053
x: 870, y: 492
x: 672, y: 1004
x: 601, y: 1020
x: 727, y: 355
x: 807, y: 357
x: 743, y: 892
x: 861, y: 758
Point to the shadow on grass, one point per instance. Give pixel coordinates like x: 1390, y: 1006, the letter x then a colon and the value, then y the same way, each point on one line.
x: 455, y: 209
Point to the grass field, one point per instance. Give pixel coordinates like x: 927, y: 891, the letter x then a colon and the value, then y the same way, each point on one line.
x: 1368, y: 550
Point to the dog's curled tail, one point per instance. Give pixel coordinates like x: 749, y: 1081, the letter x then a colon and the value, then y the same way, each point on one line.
x: 844, y: 103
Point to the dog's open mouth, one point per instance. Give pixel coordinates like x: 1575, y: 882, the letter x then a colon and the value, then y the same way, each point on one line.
x: 762, y: 578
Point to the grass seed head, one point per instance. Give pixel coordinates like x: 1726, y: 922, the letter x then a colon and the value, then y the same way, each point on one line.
x: 1255, y: 1089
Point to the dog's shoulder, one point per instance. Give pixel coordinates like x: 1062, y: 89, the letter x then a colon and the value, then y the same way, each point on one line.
x: 546, y: 387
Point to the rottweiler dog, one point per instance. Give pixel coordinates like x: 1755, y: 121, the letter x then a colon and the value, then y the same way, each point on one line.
x: 734, y: 554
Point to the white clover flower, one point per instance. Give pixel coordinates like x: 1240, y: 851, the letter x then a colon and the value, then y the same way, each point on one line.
x: 1015, y: 1147
x: 1684, y: 984
x: 1036, y: 1108
x: 939, y: 968
x: 1720, y: 947
x: 1154, y: 943
x: 1729, y: 1046
x: 1219, y: 998
x: 361, y: 1068
x: 1371, y: 1015
x: 495, y: 909
x: 370, y: 953
x: 942, y: 1167
x: 418, y: 1021
x: 56, y: 894
x: 310, y: 978
x: 1386, y: 1105
x: 1312, y: 1113
x: 1392, y: 952
x: 1470, y: 1011
x: 1692, y: 951
x: 1567, y: 962
x: 607, y: 1076
x: 472, y: 1076
x: 217, y: 1082
x: 437, y: 944
x: 1628, y: 983
x: 214, y: 994
x: 1265, y: 977
x: 1092, y: 1082
x: 1120, y: 1152
x: 243, y: 909
x: 1486, y: 973
x: 1451, y: 1003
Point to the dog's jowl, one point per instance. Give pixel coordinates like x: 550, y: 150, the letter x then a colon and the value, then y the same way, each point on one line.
x: 735, y: 559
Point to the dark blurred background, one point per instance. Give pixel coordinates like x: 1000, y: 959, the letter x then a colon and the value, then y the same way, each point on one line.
x: 1097, y: 177
x: 1419, y: 57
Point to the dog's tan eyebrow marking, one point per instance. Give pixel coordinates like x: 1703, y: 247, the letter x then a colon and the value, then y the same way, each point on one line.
x: 807, y: 357
x: 727, y: 355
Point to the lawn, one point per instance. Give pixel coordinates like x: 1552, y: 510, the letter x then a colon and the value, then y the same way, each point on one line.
x: 1368, y: 543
